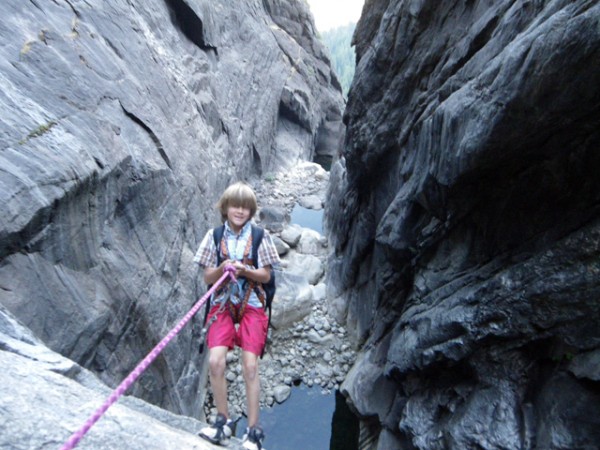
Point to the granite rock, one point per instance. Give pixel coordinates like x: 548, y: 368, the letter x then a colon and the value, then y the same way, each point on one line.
x: 121, y: 126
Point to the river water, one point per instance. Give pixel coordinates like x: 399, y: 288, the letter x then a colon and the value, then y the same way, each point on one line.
x: 308, y: 420
x: 307, y: 218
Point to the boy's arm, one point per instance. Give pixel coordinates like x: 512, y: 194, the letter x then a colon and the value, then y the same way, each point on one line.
x: 206, y: 258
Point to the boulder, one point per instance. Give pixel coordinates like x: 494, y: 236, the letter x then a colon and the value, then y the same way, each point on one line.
x: 282, y: 247
x: 311, y: 243
x: 281, y: 393
x: 308, y: 266
x: 311, y: 202
x: 291, y: 235
x: 273, y: 218
x: 293, y: 300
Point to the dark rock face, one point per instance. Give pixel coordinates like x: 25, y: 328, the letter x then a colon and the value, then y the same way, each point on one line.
x: 466, y: 228
x: 121, y: 125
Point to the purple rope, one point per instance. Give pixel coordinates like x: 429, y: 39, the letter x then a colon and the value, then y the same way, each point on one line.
x: 143, y: 365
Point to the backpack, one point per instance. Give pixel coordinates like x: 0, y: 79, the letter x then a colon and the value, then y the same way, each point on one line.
x: 269, y: 287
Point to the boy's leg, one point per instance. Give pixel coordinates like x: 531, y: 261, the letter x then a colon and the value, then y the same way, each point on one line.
x: 254, y: 434
x: 252, y: 336
x: 251, y: 378
x: 217, y: 363
x: 220, y: 339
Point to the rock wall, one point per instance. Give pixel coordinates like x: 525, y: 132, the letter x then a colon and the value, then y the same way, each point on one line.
x: 464, y: 219
x: 122, y: 122
x: 47, y: 397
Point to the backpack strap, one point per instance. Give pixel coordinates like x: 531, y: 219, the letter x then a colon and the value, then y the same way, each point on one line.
x: 257, y: 236
x: 217, y: 236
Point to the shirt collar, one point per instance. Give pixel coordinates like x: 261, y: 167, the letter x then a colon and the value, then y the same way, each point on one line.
x: 243, y: 232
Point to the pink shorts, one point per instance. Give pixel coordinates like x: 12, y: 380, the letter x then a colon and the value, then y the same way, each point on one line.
x: 251, y: 334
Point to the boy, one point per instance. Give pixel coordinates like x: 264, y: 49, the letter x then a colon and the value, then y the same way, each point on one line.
x: 236, y: 303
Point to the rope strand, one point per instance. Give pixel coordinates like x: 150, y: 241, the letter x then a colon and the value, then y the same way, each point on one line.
x: 229, y: 271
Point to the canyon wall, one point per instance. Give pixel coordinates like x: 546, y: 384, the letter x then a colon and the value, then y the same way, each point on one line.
x: 465, y: 227
x: 122, y: 122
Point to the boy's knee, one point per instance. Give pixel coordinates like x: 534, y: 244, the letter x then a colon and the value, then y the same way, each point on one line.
x: 217, y: 365
x: 250, y: 369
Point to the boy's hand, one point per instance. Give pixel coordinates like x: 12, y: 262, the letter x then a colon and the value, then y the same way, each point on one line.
x: 240, y: 269
x: 227, y: 262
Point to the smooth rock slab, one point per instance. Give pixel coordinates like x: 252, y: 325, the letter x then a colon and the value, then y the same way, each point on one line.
x: 42, y: 408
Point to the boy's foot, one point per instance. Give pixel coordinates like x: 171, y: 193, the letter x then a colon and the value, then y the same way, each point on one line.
x: 253, y: 438
x: 219, y: 432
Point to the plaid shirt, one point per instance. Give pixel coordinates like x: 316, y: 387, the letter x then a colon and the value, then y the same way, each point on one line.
x: 206, y: 256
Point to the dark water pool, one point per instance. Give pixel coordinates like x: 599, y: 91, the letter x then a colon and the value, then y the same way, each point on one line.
x: 325, y: 161
x: 308, y: 420
x: 308, y: 218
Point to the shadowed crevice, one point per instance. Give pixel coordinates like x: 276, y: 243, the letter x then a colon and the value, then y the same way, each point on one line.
x: 186, y: 19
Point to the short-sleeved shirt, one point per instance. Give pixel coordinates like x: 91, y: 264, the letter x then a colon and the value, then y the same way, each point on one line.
x: 206, y: 256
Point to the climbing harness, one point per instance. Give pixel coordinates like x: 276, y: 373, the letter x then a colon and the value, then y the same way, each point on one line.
x: 236, y: 310
x: 237, y: 313
x: 229, y: 271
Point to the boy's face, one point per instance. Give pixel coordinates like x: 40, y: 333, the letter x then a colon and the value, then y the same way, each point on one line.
x: 237, y: 216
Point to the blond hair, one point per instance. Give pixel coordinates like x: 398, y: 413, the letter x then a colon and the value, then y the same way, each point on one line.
x: 237, y: 194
